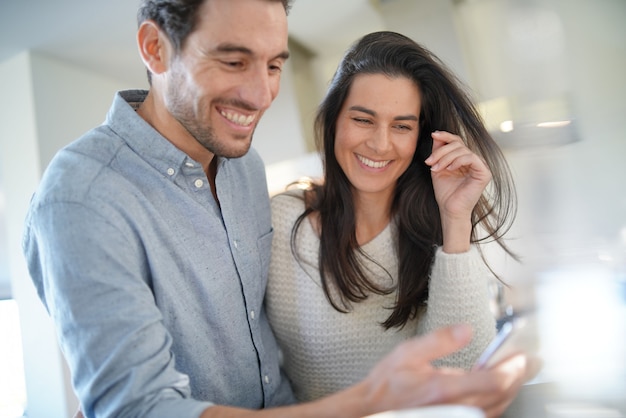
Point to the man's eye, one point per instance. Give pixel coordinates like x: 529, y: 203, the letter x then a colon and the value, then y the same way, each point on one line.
x: 234, y: 64
x: 276, y: 68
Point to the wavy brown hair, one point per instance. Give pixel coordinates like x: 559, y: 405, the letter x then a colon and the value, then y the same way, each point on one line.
x: 446, y: 106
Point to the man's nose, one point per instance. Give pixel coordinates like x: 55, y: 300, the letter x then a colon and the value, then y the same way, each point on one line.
x: 260, y: 89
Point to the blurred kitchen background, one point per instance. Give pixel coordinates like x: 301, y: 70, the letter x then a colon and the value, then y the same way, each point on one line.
x: 549, y: 76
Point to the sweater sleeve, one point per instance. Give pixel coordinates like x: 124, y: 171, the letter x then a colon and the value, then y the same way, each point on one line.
x: 459, y: 293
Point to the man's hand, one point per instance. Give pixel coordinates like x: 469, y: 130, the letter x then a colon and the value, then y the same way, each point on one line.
x: 406, y: 378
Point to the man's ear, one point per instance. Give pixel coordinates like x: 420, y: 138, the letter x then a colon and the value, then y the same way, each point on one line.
x: 154, y: 47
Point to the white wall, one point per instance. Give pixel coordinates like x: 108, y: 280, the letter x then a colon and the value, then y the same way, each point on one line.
x: 68, y: 102
x: 5, y: 277
x: 279, y: 134
x: 20, y: 165
x: 432, y: 24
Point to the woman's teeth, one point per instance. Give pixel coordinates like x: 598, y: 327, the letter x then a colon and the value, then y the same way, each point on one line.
x: 373, y: 164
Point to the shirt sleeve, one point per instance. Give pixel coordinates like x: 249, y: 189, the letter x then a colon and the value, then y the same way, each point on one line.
x: 93, y: 278
x: 459, y: 293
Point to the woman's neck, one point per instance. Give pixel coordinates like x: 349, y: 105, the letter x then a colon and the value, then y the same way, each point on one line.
x: 372, y: 215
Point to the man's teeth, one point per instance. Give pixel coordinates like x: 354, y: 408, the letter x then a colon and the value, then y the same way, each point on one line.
x: 239, y: 119
x: 372, y: 164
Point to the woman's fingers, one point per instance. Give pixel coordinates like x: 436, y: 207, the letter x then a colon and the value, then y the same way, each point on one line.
x: 510, y: 375
x: 451, y: 153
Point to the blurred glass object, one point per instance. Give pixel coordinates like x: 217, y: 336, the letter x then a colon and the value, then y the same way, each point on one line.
x: 583, y: 333
x: 581, y: 410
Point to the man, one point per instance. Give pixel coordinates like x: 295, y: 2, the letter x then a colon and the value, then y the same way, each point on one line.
x: 149, y: 240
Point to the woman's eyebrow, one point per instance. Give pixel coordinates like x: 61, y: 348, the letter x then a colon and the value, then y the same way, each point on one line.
x: 363, y: 109
x: 371, y: 112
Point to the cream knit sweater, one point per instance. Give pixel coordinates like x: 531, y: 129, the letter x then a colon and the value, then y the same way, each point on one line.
x: 325, y: 350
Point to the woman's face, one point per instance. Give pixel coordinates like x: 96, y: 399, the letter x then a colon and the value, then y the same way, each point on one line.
x: 376, y: 134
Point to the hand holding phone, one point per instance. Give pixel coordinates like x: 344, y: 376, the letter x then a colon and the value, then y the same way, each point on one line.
x: 517, y: 334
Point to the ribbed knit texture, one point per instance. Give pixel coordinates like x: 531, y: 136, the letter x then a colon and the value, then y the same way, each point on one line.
x: 325, y: 350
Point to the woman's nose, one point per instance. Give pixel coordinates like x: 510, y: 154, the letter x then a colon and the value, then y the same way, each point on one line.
x: 380, y: 141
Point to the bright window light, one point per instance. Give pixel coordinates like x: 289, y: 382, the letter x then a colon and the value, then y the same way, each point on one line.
x: 506, y: 126
x: 12, y: 381
x: 554, y: 124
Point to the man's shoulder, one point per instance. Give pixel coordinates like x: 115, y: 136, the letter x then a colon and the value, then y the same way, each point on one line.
x: 75, y: 167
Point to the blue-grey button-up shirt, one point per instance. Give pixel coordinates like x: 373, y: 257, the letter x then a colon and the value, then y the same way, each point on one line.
x: 156, y: 292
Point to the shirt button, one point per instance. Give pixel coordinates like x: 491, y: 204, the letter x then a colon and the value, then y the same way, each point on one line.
x: 198, y: 183
x: 266, y: 378
x: 170, y: 171
x: 236, y: 243
x: 252, y: 314
x: 190, y: 165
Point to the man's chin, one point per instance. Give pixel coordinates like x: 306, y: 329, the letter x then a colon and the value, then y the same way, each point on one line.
x: 235, y: 152
x: 228, y: 145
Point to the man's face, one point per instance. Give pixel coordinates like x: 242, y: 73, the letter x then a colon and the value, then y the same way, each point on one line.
x: 228, y: 73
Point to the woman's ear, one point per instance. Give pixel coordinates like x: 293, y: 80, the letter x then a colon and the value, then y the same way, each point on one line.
x: 154, y: 47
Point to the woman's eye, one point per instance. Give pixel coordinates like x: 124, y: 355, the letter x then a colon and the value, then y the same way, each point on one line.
x: 362, y: 120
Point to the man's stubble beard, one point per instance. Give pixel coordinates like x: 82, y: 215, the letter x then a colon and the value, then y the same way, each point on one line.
x: 205, y: 134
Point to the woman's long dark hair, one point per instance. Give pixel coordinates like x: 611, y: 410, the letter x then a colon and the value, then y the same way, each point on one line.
x: 446, y: 106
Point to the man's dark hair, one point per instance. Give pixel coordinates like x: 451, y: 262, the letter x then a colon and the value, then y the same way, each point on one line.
x: 177, y: 18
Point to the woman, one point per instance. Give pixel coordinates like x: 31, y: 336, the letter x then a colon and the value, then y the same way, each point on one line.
x: 386, y: 247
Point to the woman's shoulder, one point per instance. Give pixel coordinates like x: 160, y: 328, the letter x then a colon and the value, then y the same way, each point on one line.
x: 289, y: 199
x: 287, y: 206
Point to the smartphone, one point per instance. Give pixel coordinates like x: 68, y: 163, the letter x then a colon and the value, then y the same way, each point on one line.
x: 517, y: 334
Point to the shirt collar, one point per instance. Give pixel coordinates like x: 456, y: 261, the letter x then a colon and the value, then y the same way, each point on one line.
x: 140, y: 136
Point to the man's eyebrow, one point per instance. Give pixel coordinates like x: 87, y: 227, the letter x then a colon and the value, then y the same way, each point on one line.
x: 233, y: 48
x: 228, y: 48
x: 283, y: 55
x: 371, y: 112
